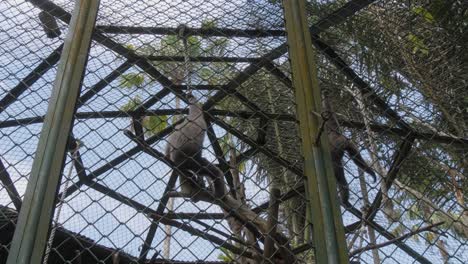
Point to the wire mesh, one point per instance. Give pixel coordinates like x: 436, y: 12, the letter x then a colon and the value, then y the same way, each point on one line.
x: 393, y: 73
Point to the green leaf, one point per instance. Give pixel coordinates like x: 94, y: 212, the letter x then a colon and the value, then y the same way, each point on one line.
x: 398, y: 231
x: 414, y: 212
x: 208, y: 24
x: 131, y: 104
x: 424, y: 13
x: 130, y: 47
x: 227, y: 255
x: 418, y: 44
x: 154, y: 124
x: 132, y: 80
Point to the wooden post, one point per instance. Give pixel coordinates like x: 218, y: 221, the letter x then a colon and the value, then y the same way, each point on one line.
x: 327, y: 226
x: 31, y: 232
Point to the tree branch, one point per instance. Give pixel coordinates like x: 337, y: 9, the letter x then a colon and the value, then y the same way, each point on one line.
x: 392, y: 241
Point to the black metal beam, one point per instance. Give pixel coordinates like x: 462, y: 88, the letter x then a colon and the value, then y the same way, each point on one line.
x: 205, y: 32
x: 160, y: 210
x: 159, y: 218
x: 121, y: 158
x: 222, y: 163
x: 400, y: 155
x: 383, y: 231
x: 378, y: 128
x: 364, y: 87
x: 271, y: 67
x: 194, y: 216
x: 267, y: 152
x: 104, y: 82
x: 202, y: 59
x: 79, y: 167
x: 340, y: 15
x: 9, y: 185
x: 47, y: 64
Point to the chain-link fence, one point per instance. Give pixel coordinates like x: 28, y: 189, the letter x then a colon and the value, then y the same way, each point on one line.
x: 394, y: 83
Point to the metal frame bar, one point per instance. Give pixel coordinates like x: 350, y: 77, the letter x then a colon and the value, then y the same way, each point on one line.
x: 10, y: 187
x: 96, y: 88
x: 327, y: 226
x: 205, y: 32
x: 222, y: 163
x: 118, y: 160
x: 383, y: 129
x: 340, y: 15
x: 383, y: 231
x: 160, y: 210
x: 32, y: 229
x: 47, y: 64
x: 202, y: 59
x: 159, y: 218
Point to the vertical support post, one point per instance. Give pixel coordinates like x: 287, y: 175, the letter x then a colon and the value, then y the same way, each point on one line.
x: 327, y: 226
x: 32, y: 229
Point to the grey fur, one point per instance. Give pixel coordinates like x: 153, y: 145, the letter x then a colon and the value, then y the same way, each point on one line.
x: 184, y: 148
x: 339, y: 144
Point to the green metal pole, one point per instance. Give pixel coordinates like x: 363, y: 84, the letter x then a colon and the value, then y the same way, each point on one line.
x: 32, y: 229
x: 327, y: 227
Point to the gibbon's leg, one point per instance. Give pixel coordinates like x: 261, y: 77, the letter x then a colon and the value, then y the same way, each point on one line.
x: 342, y: 183
x: 215, y: 175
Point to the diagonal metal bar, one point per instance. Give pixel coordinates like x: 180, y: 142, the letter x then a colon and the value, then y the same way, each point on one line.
x: 121, y: 158
x: 104, y: 82
x: 244, y: 75
x: 79, y: 167
x: 365, y: 89
x: 9, y: 185
x: 147, y: 67
x: 400, y: 156
x: 283, y: 198
x: 219, y: 232
x: 333, y: 19
x: 159, y: 211
x: 98, y: 36
x: 336, y: 18
x: 271, y: 67
x: 222, y: 163
x: 340, y: 15
x: 47, y: 64
x: 383, y: 231
x: 267, y: 152
x: 159, y: 218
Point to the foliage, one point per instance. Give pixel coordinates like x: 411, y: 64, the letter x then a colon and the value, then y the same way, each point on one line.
x: 132, y: 80
x: 227, y: 255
